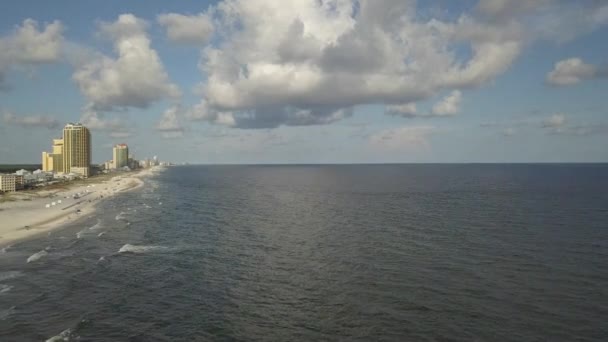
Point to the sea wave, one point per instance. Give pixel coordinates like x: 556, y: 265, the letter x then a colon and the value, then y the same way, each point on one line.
x: 10, y: 275
x: 64, y: 336
x: 5, y: 288
x: 128, y: 248
x: 120, y: 216
x: 5, y: 313
x: 96, y: 226
x: 37, y: 256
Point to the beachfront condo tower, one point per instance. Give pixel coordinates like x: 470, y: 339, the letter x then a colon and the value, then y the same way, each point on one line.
x: 53, y: 162
x: 76, y: 149
x: 120, y: 156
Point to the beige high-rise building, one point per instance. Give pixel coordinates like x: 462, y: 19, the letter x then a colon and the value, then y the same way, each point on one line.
x: 120, y: 155
x: 76, y: 149
x: 53, y: 162
x: 58, y: 155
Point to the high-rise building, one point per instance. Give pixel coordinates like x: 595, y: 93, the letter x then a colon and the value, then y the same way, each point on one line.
x: 120, y: 154
x: 53, y: 162
x: 58, y: 155
x: 76, y: 149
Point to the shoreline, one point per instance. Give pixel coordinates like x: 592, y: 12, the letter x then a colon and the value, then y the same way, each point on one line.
x: 34, y: 213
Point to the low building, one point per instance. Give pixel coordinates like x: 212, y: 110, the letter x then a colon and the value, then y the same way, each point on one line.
x: 80, y: 171
x: 23, y: 172
x: 8, y: 183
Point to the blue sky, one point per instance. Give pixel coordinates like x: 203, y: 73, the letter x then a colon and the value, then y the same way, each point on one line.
x: 335, y: 81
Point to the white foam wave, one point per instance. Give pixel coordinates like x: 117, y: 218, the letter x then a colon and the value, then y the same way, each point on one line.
x: 5, y: 249
x: 97, y: 226
x: 120, y: 216
x: 5, y: 288
x: 10, y: 275
x: 128, y: 248
x: 101, y: 234
x: 64, y: 336
x: 101, y: 258
x: 37, y: 256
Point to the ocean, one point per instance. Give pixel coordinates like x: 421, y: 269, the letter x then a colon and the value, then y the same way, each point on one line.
x: 471, y: 252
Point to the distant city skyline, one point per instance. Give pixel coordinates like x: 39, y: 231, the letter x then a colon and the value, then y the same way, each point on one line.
x: 353, y: 81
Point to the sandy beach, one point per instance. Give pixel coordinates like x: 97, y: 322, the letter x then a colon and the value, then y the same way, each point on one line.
x: 31, y: 213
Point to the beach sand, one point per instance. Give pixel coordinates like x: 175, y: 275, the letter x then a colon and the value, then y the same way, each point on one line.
x: 27, y: 215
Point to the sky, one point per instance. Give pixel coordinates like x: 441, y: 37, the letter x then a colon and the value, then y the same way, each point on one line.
x: 308, y: 81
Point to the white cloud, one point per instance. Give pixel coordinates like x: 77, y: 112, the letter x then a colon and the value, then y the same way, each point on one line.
x: 326, y: 56
x: 555, y: 121
x: 407, y: 137
x: 169, y: 124
x: 30, y: 121
x: 323, y: 57
x: 558, y: 124
x: 96, y: 121
x: 135, y: 78
x: 448, y: 106
x: 28, y: 45
x: 187, y: 29
x: 572, y: 71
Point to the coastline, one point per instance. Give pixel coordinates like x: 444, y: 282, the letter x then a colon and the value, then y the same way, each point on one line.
x: 28, y: 216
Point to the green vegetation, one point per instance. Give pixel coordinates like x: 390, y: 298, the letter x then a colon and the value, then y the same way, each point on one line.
x: 11, y: 168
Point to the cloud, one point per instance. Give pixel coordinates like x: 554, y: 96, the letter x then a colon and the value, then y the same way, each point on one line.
x: 572, y: 71
x: 135, y: 78
x: 448, y: 106
x: 406, y: 110
x: 187, y: 29
x: 115, y: 127
x: 326, y: 56
x: 555, y: 121
x: 558, y: 124
x: 406, y: 137
x: 30, y: 45
x: 169, y: 124
x: 30, y: 121
x: 504, y: 10
x: 331, y: 56
x: 268, y: 117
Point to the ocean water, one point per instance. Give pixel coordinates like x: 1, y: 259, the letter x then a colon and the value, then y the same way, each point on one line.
x: 333, y: 253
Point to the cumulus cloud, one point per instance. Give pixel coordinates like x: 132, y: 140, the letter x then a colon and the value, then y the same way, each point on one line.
x: 448, y: 106
x: 300, y: 56
x: 30, y: 45
x: 114, y: 127
x: 268, y: 117
x: 407, y: 137
x: 323, y: 58
x: 135, y: 78
x: 169, y: 124
x: 187, y: 29
x: 572, y: 71
x: 30, y: 121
